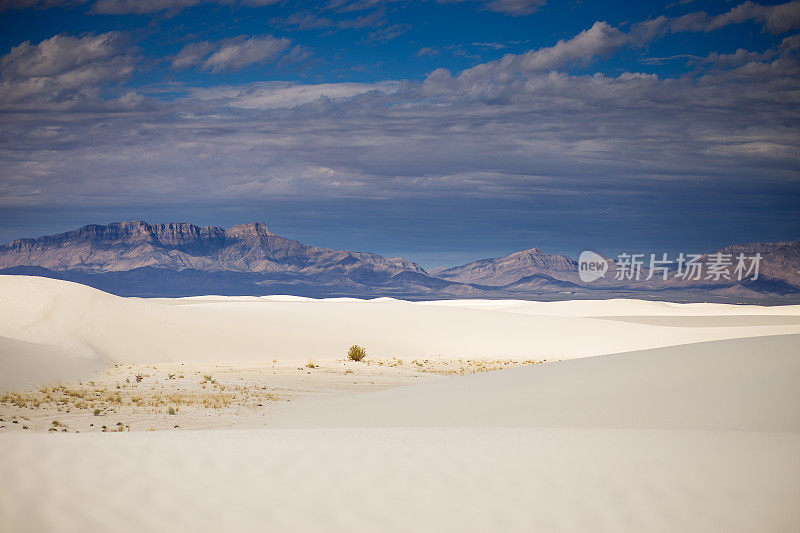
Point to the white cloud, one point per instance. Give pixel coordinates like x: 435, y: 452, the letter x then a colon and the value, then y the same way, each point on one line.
x: 790, y: 44
x: 515, y: 127
x: 236, y: 54
x: 231, y: 54
x: 774, y: 19
x: 736, y: 59
x: 275, y: 95
x: 63, y: 68
x: 637, y: 76
x: 493, y: 46
x: 390, y: 32
x: 37, y: 4
x: 515, y: 7
x: 121, y: 7
x: 598, y: 41
x: 516, y: 136
x: 307, y: 20
x: 603, y: 40
x: 357, y: 5
x: 303, y: 20
x: 192, y: 54
x: 427, y: 51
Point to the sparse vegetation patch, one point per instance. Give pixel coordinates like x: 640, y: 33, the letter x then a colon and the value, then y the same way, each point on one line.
x: 205, y: 400
x: 356, y: 353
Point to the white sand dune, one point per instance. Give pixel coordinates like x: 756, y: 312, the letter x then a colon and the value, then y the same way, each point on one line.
x: 87, y: 323
x: 677, y: 426
x: 401, y: 480
x: 739, y: 384
x: 477, y: 455
x: 26, y: 365
x: 618, y: 307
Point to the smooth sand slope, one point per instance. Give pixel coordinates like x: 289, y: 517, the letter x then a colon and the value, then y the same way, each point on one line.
x: 622, y: 458
x: 740, y: 384
x: 402, y: 480
x: 81, y: 322
x: 26, y: 365
x: 690, y: 427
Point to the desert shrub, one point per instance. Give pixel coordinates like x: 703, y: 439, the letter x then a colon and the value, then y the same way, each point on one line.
x: 97, y: 412
x: 356, y: 353
x: 171, y: 411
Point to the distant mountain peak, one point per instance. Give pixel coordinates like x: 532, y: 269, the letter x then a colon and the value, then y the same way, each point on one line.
x: 178, y: 258
x: 529, y: 251
x: 250, y: 229
x: 500, y: 271
x: 758, y: 247
x: 533, y: 254
x: 244, y: 248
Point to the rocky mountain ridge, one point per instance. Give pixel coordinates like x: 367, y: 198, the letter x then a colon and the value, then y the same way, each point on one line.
x: 512, y: 268
x: 179, y: 259
x: 250, y: 248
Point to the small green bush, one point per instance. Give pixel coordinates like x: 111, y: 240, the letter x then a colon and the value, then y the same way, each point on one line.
x: 356, y: 353
x: 171, y: 411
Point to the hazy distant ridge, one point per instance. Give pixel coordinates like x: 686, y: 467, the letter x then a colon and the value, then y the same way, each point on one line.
x: 137, y: 258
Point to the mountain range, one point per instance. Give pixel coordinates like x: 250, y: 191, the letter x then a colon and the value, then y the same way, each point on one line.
x: 179, y: 259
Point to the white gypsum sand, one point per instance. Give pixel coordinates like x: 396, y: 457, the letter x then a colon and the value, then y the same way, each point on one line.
x: 737, y: 384
x: 86, y: 323
x: 518, y: 479
x: 687, y: 420
x: 162, y: 396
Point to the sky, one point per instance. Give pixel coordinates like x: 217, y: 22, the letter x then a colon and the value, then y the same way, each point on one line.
x: 442, y: 131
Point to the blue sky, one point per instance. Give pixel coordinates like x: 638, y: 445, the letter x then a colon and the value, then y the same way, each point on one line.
x: 442, y: 131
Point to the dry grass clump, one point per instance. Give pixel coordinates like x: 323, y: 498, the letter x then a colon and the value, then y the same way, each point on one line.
x: 15, y: 399
x: 451, y: 367
x: 166, y: 395
x: 97, y: 399
x: 393, y: 362
x: 446, y: 366
x: 356, y: 353
x: 55, y: 425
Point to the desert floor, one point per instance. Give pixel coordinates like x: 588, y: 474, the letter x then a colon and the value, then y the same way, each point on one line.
x: 124, y: 414
x: 212, y: 396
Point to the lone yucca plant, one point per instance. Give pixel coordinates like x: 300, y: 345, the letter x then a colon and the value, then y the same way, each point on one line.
x: 356, y: 353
